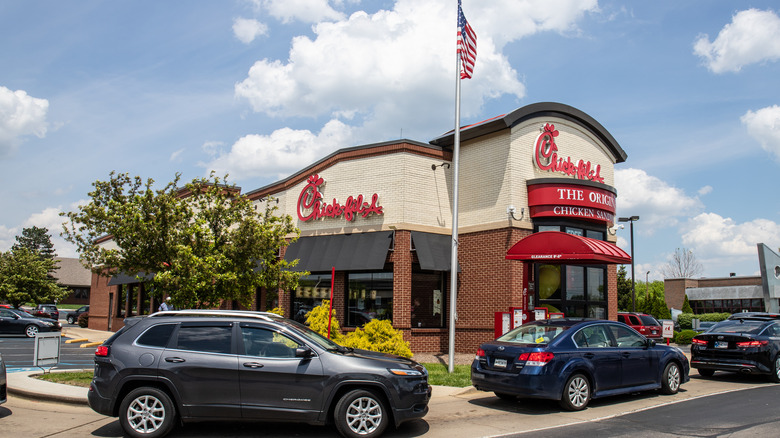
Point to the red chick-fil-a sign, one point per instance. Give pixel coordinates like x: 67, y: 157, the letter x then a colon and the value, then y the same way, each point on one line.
x: 311, y: 205
x: 546, y: 157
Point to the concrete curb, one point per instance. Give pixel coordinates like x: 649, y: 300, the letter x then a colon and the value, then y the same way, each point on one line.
x: 24, y: 385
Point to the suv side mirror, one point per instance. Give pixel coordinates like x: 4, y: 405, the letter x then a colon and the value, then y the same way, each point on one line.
x: 304, y: 352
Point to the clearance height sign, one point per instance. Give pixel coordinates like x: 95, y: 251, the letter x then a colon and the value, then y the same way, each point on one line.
x: 572, y: 201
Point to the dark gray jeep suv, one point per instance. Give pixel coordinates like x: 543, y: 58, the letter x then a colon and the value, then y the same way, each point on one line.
x: 201, y: 365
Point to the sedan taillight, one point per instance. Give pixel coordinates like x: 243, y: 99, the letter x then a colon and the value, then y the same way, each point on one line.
x: 480, y: 353
x: 698, y: 341
x: 748, y: 344
x: 539, y: 358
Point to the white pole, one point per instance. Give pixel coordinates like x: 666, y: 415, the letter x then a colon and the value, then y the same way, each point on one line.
x: 454, y: 260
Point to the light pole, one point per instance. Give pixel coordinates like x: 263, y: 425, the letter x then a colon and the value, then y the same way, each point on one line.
x: 647, y: 286
x: 633, y: 283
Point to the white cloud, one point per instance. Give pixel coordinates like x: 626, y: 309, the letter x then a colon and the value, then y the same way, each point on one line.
x: 176, y: 155
x: 386, y: 69
x: 752, y: 36
x: 657, y: 203
x: 709, y: 233
x: 706, y: 190
x: 246, y: 30
x: 281, y: 153
x: 20, y: 115
x: 307, y: 11
x: 764, y: 126
x: 7, y: 237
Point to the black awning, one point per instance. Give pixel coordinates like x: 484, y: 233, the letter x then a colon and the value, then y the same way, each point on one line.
x: 433, y: 250
x: 345, y: 252
x: 124, y: 278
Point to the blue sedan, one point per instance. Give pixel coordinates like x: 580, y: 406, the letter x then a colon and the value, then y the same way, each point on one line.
x: 574, y: 360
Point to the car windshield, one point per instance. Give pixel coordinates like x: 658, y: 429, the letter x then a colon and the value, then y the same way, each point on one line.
x: 648, y: 320
x: 533, y: 334
x: 738, y: 326
x: 23, y: 313
x: 322, y: 341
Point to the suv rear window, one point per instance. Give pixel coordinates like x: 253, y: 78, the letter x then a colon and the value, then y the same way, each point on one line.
x: 648, y: 320
x: 156, y: 336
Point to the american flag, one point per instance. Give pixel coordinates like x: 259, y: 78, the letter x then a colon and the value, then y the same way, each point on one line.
x: 467, y: 45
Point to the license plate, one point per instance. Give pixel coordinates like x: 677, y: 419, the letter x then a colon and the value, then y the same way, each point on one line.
x: 721, y: 344
x: 653, y: 331
x: 499, y: 363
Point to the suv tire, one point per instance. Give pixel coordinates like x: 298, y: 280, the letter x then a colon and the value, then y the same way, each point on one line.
x: 147, y: 412
x: 361, y: 413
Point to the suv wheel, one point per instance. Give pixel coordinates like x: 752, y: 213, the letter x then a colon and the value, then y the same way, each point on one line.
x: 31, y: 330
x: 361, y: 413
x: 147, y: 412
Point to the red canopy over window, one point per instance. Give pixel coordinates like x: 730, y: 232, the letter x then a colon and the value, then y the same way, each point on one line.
x: 552, y: 246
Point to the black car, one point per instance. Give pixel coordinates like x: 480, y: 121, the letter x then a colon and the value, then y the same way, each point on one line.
x: 3, y: 384
x: 745, y: 343
x: 73, y: 317
x: 237, y: 365
x: 574, y: 360
x: 14, y: 321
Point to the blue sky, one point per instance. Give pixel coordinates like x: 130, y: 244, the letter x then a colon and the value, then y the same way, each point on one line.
x: 260, y: 89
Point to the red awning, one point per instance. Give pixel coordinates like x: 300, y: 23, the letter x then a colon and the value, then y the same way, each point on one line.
x: 552, y: 246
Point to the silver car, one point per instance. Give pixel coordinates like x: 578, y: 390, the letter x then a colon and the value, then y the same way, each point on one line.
x: 3, y: 384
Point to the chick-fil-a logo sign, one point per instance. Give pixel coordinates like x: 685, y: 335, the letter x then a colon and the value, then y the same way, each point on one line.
x: 311, y: 205
x: 546, y: 157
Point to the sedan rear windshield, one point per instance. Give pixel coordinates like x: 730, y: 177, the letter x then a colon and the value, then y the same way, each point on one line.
x: 533, y: 334
x: 738, y: 326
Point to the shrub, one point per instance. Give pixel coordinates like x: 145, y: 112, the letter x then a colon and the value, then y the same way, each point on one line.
x: 84, y: 320
x: 684, y: 337
x: 277, y: 310
x: 379, y: 335
x: 317, y: 320
x: 685, y: 319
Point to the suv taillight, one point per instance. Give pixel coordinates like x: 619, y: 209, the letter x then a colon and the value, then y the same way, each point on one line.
x: 102, y: 351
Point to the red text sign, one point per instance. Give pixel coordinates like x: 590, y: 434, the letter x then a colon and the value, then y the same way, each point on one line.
x: 311, y: 205
x: 546, y: 158
x: 574, y: 201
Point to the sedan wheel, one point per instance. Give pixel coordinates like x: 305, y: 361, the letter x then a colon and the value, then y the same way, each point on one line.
x: 671, y: 379
x: 360, y: 413
x: 576, y: 393
x: 775, y: 376
x: 71, y: 320
x: 31, y: 330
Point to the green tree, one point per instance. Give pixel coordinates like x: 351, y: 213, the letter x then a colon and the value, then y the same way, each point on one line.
x: 686, y: 307
x: 205, y: 242
x: 36, y: 239
x: 623, y: 290
x: 24, y: 278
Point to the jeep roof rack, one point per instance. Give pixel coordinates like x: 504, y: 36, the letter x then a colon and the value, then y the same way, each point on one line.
x: 265, y: 316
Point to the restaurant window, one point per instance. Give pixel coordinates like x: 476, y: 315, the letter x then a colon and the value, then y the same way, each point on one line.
x: 311, y: 292
x: 428, y: 293
x: 369, y: 296
x: 577, y: 291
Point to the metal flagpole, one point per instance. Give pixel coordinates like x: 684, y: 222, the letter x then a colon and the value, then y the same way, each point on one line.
x: 454, y: 259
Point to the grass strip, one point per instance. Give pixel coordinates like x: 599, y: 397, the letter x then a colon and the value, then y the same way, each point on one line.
x: 438, y: 374
x: 75, y: 378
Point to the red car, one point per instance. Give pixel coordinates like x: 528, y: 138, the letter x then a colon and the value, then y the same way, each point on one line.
x: 643, y: 323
